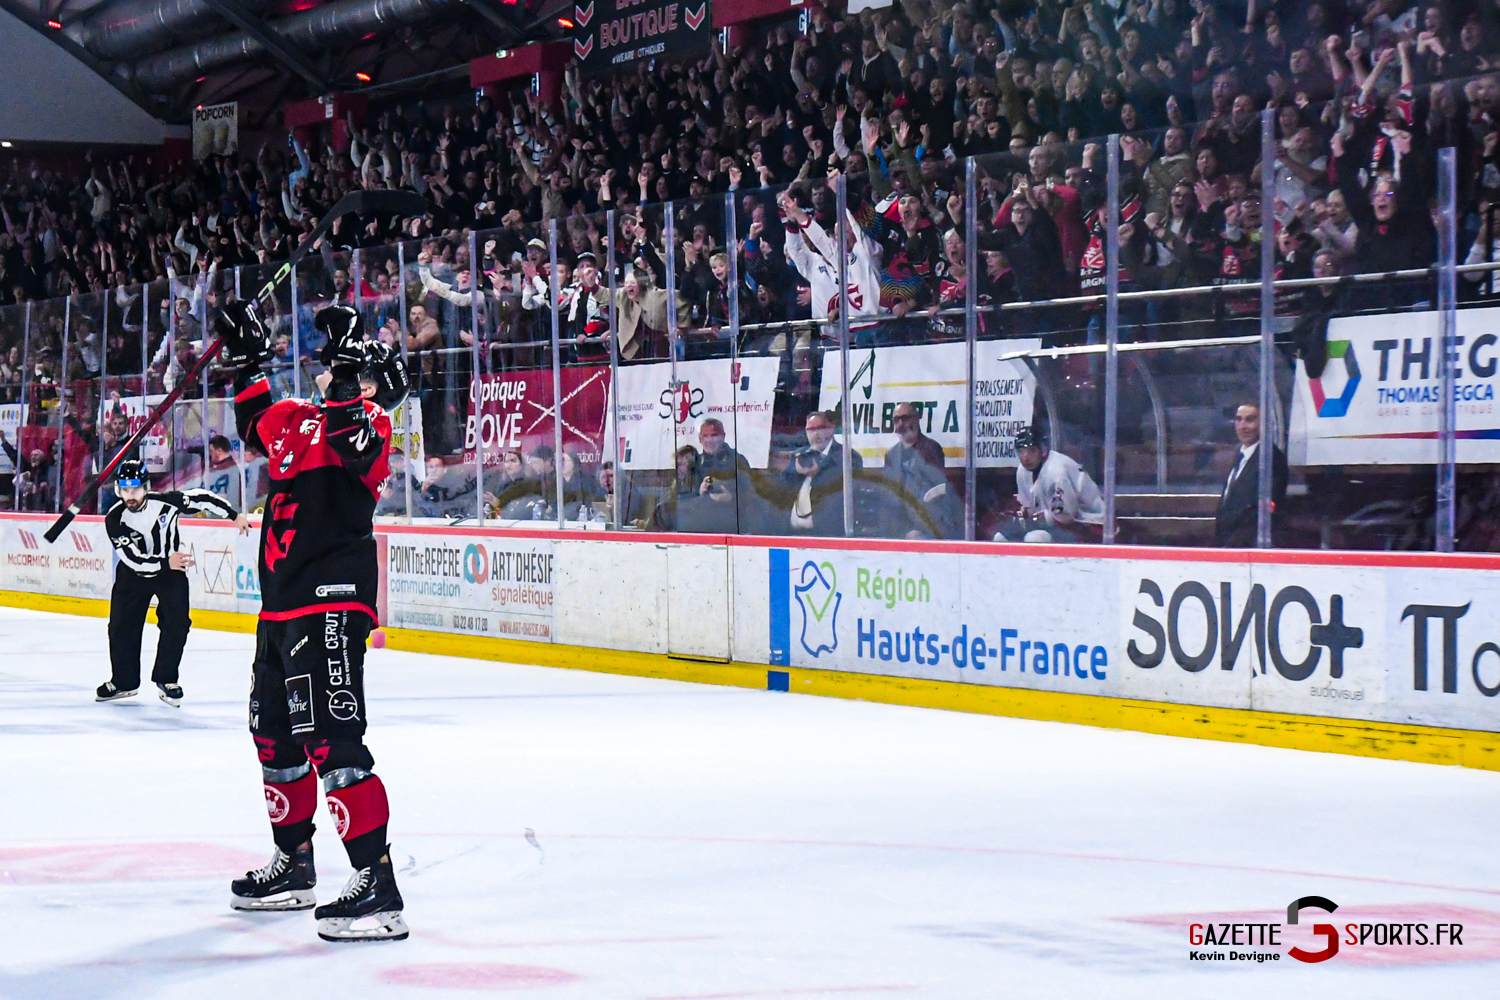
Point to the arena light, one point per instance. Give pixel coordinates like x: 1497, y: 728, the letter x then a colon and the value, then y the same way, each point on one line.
x: 362, y: 77
x: 5, y: 143
x: 565, y: 22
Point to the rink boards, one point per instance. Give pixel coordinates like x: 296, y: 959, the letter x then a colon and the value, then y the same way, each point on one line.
x: 1399, y: 639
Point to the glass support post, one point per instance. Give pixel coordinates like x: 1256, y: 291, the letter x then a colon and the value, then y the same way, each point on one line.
x: 412, y: 398
x: 841, y: 237
x: 25, y: 404
x: 614, y: 372
x: 1266, y: 499
x: 557, y: 446
x: 971, y: 339
x: 296, y: 340
x: 475, y: 392
x: 1447, y: 303
x: 1111, y: 335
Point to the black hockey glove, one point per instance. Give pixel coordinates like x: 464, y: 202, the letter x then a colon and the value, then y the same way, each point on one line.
x: 246, y: 342
x: 344, y: 329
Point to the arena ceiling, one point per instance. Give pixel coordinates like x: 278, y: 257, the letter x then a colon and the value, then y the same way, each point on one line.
x: 169, y: 56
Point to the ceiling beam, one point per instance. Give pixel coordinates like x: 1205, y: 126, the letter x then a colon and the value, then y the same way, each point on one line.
x: 511, y: 30
x: 288, y: 55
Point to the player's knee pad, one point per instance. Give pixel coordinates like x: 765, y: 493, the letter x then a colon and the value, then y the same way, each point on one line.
x: 355, y: 795
x: 291, y: 793
x: 356, y: 801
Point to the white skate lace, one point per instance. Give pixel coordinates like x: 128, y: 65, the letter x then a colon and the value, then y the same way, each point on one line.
x: 357, y: 884
x: 274, y: 869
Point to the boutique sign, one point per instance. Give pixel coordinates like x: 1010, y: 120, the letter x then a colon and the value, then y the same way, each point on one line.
x: 613, y: 33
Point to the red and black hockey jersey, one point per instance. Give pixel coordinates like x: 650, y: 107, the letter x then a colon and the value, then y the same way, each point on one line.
x: 326, y: 465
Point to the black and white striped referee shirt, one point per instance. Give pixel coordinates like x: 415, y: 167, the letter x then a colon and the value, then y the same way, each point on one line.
x: 146, y: 537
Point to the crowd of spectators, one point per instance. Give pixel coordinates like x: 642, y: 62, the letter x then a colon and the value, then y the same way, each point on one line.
x: 1363, y: 94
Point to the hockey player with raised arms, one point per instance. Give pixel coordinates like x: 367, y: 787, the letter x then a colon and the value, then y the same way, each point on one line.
x: 318, y: 576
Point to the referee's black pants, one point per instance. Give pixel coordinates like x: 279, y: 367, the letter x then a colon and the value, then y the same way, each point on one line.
x: 127, y: 617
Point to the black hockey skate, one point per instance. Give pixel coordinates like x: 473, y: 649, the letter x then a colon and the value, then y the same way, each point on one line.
x: 371, y: 895
x: 108, y: 692
x: 284, y: 884
x: 171, y: 694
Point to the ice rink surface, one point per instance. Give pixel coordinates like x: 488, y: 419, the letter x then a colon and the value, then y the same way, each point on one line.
x: 564, y: 834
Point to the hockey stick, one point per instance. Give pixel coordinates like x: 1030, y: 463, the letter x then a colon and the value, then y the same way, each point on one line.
x: 358, y: 202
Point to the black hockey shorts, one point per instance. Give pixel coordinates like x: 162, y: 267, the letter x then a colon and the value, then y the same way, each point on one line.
x: 307, y: 690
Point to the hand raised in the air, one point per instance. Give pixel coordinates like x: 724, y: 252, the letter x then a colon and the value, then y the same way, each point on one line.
x: 246, y: 341
x: 345, y: 330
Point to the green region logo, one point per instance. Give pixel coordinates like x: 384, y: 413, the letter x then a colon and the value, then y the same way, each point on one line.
x: 819, y: 598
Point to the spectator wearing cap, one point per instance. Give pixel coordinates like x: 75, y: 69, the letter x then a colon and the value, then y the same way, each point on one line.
x: 726, y: 499
x: 585, y: 318
x: 1058, y: 500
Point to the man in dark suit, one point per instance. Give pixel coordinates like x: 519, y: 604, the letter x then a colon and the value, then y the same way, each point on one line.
x: 1234, y: 521
x: 813, y: 485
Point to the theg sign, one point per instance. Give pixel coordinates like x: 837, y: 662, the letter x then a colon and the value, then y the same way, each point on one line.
x: 1379, y: 399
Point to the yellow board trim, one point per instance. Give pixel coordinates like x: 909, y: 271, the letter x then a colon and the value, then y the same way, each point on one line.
x: 1422, y: 744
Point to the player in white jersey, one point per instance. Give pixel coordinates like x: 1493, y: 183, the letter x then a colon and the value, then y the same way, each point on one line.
x: 1059, y: 501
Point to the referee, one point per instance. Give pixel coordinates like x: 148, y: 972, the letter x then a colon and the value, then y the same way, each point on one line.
x: 142, y: 527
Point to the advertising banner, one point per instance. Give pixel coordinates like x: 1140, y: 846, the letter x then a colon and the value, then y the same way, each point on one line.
x: 516, y: 411
x: 79, y: 564
x: 28, y: 557
x: 933, y: 378
x: 1378, y: 400
x: 487, y: 585
x: 155, y: 447
x: 216, y: 130
x: 83, y: 562
x: 399, y: 418
x: 1388, y: 644
x: 223, y: 576
x: 612, y: 33
x: 656, y: 417
x: 10, y: 426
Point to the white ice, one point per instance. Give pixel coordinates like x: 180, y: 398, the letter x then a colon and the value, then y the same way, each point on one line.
x: 705, y: 842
